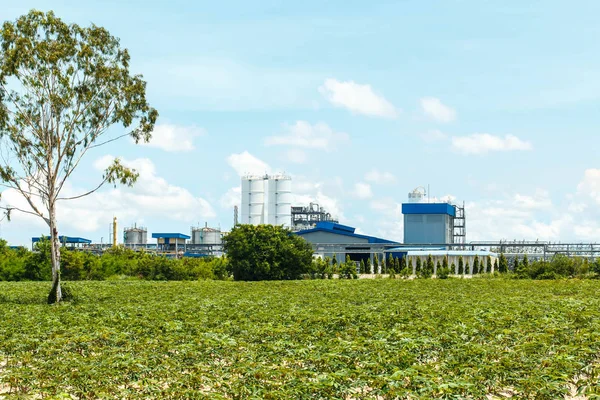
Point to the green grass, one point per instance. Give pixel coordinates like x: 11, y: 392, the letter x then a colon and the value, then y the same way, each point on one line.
x: 303, y: 339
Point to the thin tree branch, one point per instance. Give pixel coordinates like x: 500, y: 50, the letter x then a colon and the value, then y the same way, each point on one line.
x: 85, y: 194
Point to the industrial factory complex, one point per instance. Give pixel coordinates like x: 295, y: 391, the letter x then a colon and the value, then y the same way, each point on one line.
x: 436, y: 229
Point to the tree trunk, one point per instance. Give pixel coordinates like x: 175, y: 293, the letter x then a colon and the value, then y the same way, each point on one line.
x: 55, y: 295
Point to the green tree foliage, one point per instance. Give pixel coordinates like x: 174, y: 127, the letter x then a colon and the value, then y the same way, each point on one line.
x: 427, y: 268
x: 389, y: 266
x: 503, y: 264
x: 461, y: 265
x: 516, y: 264
x: 348, y: 269
x: 438, y: 266
x: 376, y: 263
x: 467, y: 268
x: 488, y: 267
x: 363, y: 267
x: 266, y: 252
x: 443, y: 272
x: 453, y: 268
x: 445, y: 262
x: 520, y: 268
x: 61, y: 88
x: 334, y: 264
x: 475, y: 265
x: 411, y: 267
x: 418, y: 266
x: 496, y: 267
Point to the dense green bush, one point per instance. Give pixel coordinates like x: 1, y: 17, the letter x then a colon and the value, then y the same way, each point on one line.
x: 23, y: 265
x: 266, y: 252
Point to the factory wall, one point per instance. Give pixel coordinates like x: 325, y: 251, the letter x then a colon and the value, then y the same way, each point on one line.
x: 452, y: 259
x: 428, y: 228
x: 332, y: 238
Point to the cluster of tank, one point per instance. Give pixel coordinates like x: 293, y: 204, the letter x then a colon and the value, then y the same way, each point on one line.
x: 138, y: 236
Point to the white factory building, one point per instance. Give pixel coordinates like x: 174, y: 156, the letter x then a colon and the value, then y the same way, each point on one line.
x: 267, y: 199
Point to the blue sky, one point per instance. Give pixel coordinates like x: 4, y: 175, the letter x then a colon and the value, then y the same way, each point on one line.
x: 491, y: 103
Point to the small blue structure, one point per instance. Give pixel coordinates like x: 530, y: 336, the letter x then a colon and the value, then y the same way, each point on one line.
x: 70, y: 241
x: 169, y: 242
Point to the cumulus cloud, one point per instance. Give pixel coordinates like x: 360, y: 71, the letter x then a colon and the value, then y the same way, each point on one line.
x: 358, y: 98
x: 151, y: 199
x: 296, y: 156
x: 363, y: 190
x: 483, y: 143
x: 436, y: 110
x: 308, y: 191
x: 246, y: 164
x: 380, y: 177
x: 174, y: 138
x: 303, y: 134
x: 232, y: 198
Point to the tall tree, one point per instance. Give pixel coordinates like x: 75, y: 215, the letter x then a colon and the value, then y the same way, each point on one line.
x: 362, y: 267
x: 61, y: 87
x: 496, y: 267
x: 461, y: 265
x: 428, y: 270
x: 488, y: 267
x: 502, y: 264
x: 475, y: 265
x: 376, y: 264
x: 411, y: 267
x: 418, y: 266
x: 390, y: 263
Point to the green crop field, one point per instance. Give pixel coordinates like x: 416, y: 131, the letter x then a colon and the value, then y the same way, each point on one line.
x: 382, y: 338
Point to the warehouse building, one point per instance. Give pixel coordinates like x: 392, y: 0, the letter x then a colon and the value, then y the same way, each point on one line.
x: 329, y: 238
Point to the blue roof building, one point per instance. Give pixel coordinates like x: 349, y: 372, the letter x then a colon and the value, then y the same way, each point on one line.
x: 428, y: 223
x: 329, y: 238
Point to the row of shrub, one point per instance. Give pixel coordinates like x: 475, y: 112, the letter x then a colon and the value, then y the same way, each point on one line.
x: 21, y: 264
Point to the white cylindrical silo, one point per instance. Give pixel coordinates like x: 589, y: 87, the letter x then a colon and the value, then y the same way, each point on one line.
x: 283, y: 201
x: 267, y: 200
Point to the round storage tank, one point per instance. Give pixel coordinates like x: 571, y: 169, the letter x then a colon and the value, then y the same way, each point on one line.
x: 206, y: 236
x: 134, y: 236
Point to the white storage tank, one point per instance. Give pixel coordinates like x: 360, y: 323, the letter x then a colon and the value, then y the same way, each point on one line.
x: 135, y: 236
x: 267, y: 199
x: 206, y: 235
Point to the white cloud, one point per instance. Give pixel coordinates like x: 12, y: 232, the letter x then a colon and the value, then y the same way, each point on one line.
x: 390, y: 223
x: 303, y: 134
x: 435, y: 109
x: 174, y: 138
x: 482, y: 143
x: 307, y: 191
x: 434, y: 136
x: 379, y: 177
x: 232, y: 198
x: 363, y: 190
x: 357, y: 98
x: 388, y: 207
x: 152, y: 198
x: 246, y: 164
x: 296, y: 156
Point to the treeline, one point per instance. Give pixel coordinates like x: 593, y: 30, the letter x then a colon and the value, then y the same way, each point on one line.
x: 560, y: 266
x: 118, y: 263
